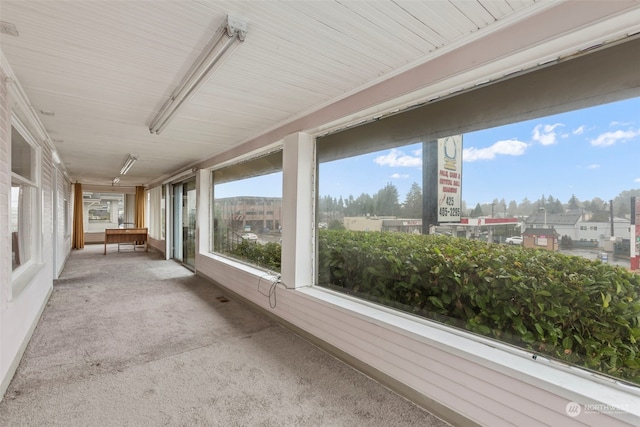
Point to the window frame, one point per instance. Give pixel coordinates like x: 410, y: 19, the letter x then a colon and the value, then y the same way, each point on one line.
x: 266, y: 163
x: 22, y: 275
x: 339, y: 148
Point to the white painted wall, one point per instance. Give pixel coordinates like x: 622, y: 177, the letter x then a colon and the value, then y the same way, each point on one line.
x: 5, y: 212
x: 297, y: 210
x: 20, y: 308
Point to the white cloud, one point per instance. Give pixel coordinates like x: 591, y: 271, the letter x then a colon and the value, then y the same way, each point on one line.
x: 636, y: 180
x: 545, y: 134
x: 508, y: 148
x: 610, y: 138
x: 593, y: 166
x: 614, y: 123
x: 397, y: 158
x: 399, y: 176
x: 579, y: 131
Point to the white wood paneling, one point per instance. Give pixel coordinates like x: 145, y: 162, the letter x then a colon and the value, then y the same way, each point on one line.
x: 105, y: 68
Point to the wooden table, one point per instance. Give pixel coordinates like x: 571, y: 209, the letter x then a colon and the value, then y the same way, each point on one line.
x: 126, y: 235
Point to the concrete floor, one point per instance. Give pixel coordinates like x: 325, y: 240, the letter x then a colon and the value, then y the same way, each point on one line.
x: 130, y: 339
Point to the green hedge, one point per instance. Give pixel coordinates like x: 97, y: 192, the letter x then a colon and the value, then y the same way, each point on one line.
x: 571, y: 308
x: 263, y: 255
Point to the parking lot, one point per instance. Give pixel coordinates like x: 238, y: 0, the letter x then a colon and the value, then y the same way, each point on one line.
x: 593, y: 254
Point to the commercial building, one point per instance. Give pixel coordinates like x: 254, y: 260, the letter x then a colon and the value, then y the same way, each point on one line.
x: 582, y: 231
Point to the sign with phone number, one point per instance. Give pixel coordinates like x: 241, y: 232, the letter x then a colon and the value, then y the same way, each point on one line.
x: 449, y: 178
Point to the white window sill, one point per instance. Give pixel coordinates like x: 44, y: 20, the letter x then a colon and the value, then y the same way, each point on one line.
x: 24, y: 277
x: 249, y: 269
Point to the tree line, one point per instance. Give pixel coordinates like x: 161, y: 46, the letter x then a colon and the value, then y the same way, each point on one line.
x: 385, y: 202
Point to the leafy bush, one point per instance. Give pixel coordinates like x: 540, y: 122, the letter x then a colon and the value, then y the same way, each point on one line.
x: 571, y: 308
x: 267, y: 256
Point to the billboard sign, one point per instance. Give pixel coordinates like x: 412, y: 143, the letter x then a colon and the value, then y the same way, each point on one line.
x: 450, y: 178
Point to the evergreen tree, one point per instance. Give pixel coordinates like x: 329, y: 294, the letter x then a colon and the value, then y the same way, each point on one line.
x: 525, y: 208
x: 622, y: 203
x: 553, y: 206
x: 574, y: 203
x: 477, y: 212
x: 413, y: 202
x: 385, y: 201
x: 363, y: 205
x: 350, y: 206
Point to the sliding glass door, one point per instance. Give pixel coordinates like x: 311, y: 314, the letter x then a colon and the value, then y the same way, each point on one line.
x: 184, y: 222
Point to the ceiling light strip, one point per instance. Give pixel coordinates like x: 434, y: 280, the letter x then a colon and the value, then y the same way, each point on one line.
x: 224, y: 42
x: 128, y: 163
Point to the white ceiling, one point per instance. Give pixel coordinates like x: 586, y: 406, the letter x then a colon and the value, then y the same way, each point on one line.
x: 105, y: 68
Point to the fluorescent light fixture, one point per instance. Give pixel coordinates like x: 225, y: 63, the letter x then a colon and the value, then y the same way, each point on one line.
x: 56, y: 157
x: 127, y: 164
x: 224, y: 42
x: 115, y: 181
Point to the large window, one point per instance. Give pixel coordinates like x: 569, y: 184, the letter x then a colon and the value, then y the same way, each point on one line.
x: 247, y: 211
x: 534, y: 180
x: 24, y: 209
x: 103, y: 210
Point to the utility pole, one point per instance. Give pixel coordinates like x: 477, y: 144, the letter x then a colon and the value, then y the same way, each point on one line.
x: 611, y: 215
x: 429, y: 185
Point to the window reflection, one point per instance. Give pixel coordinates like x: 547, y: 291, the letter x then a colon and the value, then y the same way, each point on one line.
x: 247, y: 211
x: 21, y: 209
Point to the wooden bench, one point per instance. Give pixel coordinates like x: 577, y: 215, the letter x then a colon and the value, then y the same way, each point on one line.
x: 126, y: 235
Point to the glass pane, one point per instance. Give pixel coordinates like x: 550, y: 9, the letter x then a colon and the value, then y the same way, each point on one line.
x: 247, y: 214
x: 103, y: 210
x: 22, y: 156
x: 163, y: 215
x: 189, y: 223
x: 21, y: 233
x: 540, y: 259
x: 177, y: 221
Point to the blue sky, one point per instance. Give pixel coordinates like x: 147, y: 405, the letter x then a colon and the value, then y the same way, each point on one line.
x: 593, y: 152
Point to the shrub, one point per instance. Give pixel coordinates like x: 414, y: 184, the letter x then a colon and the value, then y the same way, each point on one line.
x: 571, y: 308
x: 266, y: 255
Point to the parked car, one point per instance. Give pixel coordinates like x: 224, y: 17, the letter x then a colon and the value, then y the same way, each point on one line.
x: 514, y: 240
x: 252, y: 237
x: 603, y: 257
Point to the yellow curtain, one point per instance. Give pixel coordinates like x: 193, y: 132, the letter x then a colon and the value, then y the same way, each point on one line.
x: 140, y: 204
x: 77, y: 239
